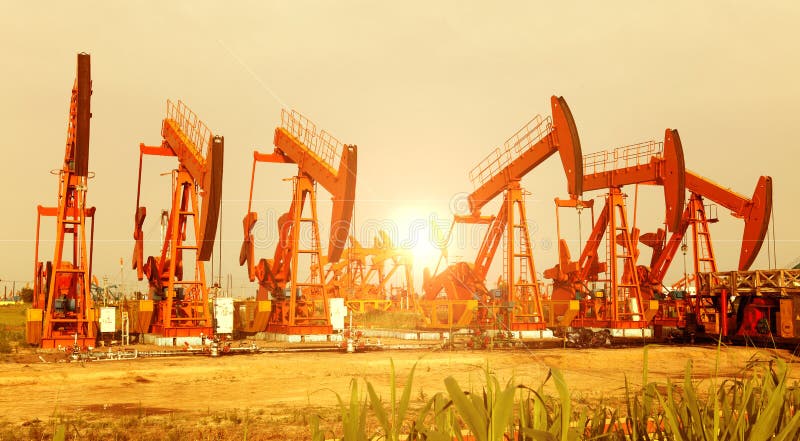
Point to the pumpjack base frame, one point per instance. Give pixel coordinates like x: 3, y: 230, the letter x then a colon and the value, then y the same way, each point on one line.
x: 671, y: 313
x: 621, y: 332
x: 446, y: 314
x: 161, y: 340
x: 360, y: 306
x: 608, y: 324
x: 299, y: 338
x: 280, y: 321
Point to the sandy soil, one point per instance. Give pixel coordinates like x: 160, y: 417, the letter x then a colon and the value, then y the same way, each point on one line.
x: 275, y: 393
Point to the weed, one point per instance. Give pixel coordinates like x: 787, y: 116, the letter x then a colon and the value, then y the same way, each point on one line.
x: 392, y: 423
x: 422, y: 396
x: 10, y: 338
x: 759, y: 406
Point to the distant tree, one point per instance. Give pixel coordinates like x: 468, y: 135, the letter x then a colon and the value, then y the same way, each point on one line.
x: 26, y: 294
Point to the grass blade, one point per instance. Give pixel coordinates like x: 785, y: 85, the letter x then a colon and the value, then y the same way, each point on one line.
x: 471, y: 415
x: 566, y: 405
x: 379, y: 411
x: 502, y: 411
x: 405, y: 399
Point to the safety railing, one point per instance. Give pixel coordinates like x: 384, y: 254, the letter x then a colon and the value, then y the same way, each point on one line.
x: 622, y: 157
x: 322, y: 143
x: 595, y: 162
x: 781, y: 282
x: 489, y: 166
x: 499, y: 158
x: 193, y: 128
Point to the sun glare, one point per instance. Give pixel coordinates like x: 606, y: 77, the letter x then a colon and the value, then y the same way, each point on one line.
x: 416, y: 234
x: 425, y: 252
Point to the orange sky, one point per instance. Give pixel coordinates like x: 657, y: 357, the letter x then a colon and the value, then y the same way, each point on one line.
x: 425, y: 89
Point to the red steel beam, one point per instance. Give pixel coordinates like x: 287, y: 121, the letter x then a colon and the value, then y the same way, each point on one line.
x: 563, y: 138
x: 755, y: 211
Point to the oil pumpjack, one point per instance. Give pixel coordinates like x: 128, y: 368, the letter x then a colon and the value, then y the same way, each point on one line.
x: 62, y: 313
x: 178, y: 297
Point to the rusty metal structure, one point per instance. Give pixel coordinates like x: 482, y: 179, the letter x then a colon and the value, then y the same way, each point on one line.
x: 619, y: 293
x: 755, y: 211
x: 178, y: 294
x: 294, y: 305
x: 765, y: 304
x: 457, y: 296
x: 607, y: 294
x: 606, y: 288
x: 62, y: 313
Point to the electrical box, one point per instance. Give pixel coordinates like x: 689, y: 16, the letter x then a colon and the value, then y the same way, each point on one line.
x: 338, y: 312
x: 223, y: 315
x: 108, y: 320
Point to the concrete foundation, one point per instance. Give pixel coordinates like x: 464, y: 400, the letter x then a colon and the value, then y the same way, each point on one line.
x: 404, y: 335
x: 542, y: 334
x: 292, y: 338
x: 632, y: 333
x: 156, y: 339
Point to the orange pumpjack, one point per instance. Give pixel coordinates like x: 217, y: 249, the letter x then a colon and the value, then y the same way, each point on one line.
x: 710, y: 309
x: 180, y: 304
x: 295, y: 306
x: 62, y: 313
x: 619, y: 303
x: 373, y: 278
x: 462, y: 284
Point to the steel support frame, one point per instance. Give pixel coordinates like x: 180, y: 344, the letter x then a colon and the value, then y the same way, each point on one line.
x: 304, y: 310
x: 188, y: 316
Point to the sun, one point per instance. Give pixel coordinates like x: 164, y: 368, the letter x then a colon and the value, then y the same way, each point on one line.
x: 418, y: 235
x: 425, y: 252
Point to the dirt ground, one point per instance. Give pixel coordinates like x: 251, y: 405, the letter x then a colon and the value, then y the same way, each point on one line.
x: 270, y: 396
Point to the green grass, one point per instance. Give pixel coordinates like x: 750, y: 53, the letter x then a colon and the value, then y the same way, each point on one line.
x: 12, y: 327
x: 759, y: 404
x: 13, y: 316
x: 213, y: 425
